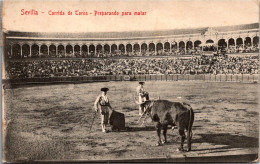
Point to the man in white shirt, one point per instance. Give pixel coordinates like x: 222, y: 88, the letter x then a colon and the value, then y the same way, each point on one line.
x: 102, y: 105
x: 142, y: 96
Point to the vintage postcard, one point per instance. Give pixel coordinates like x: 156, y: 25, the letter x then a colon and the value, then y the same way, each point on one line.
x: 130, y: 81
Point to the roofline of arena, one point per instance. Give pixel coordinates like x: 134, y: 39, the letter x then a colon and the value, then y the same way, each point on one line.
x: 129, y: 35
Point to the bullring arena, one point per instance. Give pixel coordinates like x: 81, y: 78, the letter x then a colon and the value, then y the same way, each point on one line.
x: 51, y: 81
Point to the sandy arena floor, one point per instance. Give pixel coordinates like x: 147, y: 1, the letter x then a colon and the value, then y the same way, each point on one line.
x: 52, y: 121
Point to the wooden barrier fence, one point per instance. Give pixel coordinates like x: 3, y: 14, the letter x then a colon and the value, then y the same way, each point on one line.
x: 175, y: 77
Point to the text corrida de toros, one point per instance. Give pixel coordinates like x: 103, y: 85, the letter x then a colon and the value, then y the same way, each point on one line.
x: 77, y: 12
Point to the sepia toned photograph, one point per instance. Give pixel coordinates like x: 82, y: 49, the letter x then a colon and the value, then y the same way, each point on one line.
x: 130, y: 81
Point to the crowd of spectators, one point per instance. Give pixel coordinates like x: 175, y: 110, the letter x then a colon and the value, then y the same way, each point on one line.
x: 242, y: 49
x: 205, y: 64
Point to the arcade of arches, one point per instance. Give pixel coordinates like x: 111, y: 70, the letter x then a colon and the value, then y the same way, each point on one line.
x: 231, y: 45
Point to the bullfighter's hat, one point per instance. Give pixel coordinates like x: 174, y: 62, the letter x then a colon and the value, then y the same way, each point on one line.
x: 141, y: 82
x: 104, y: 89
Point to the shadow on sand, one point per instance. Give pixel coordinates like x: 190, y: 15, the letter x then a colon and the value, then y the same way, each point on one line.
x: 229, y: 140
x: 138, y: 128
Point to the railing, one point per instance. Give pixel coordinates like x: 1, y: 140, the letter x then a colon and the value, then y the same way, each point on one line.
x: 161, y: 77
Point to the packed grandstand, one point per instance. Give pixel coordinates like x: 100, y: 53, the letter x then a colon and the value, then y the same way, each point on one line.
x: 234, y: 51
x: 221, y: 64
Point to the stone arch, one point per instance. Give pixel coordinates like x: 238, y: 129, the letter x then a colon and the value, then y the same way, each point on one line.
x: 248, y: 41
x: 84, y: 50
x: 25, y: 50
x: 121, y: 48
x: 174, y: 45
x: 209, y: 45
x: 129, y: 48
x: 44, y: 50
x: 181, y: 44
x: 16, y: 50
x: 52, y: 50
x: 99, y: 48
x: 77, y: 50
x: 159, y: 46
x: 239, y: 41
x: 136, y: 47
x: 69, y: 50
x: 35, y: 51
x: 189, y: 45
x: 222, y: 43
x: 113, y: 48
x: 106, y: 48
x: 167, y: 46
x: 256, y: 41
x: 92, y: 50
x: 61, y: 50
x: 144, y: 47
x: 231, y: 42
x: 151, y: 47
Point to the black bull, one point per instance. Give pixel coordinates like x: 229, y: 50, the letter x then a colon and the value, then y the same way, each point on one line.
x: 166, y: 113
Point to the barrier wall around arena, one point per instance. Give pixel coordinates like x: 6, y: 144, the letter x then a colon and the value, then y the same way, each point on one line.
x: 247, y: 78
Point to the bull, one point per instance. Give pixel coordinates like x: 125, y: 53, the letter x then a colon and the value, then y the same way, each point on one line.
x: 165, y: 113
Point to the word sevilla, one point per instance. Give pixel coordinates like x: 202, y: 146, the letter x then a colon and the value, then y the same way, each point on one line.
x: 30, y: 12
